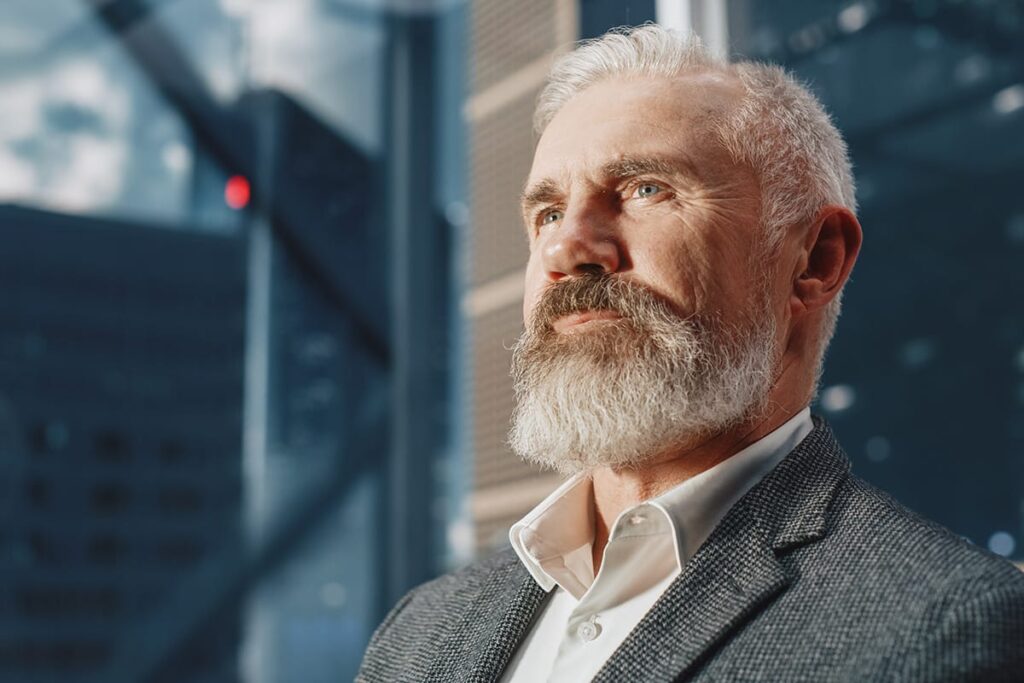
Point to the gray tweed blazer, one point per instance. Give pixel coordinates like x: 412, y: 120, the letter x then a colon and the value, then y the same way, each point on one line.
x: 813, y: 575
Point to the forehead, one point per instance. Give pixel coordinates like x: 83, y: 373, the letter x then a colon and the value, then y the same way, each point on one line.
x: 638, y: 117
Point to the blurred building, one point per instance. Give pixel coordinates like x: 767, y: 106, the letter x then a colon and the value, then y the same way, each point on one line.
x: 225, y: 415
x: 120, y: 381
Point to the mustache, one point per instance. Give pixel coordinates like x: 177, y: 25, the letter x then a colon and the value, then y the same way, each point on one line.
x: 594, y: 292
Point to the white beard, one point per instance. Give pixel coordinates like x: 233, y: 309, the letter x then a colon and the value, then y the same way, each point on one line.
x: 623, y: 392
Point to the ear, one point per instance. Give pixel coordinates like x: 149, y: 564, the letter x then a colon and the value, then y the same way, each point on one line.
x: 827, y: 257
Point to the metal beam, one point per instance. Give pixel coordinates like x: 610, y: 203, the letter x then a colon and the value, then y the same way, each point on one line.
x: 420, y: 249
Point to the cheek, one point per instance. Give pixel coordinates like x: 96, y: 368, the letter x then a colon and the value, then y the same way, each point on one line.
x: 677, y: 270
x: 728, y: 262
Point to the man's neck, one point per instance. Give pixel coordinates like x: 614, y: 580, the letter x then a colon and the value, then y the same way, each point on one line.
x: 616, y: 490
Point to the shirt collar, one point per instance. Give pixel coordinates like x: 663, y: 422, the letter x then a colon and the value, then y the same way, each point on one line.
x: 553, y: 540
x: 559, y: 531
x: 696, y: 506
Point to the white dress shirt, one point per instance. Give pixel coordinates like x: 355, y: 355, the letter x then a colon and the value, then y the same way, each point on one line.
x: 588, y: 617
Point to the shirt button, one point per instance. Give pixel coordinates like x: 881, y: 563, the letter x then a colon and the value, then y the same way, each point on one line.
x: 636, y: 519
x: 589, y: 630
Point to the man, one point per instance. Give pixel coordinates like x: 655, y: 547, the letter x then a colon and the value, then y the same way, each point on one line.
x: 691, y: 227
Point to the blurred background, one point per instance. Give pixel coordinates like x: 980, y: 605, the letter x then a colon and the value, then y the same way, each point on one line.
x: 261, y: 264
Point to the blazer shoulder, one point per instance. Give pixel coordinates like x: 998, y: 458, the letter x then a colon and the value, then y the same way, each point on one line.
x: 976, y: 638
x: 465, y: 581
x: 418, y: 624
x: 900, y: 541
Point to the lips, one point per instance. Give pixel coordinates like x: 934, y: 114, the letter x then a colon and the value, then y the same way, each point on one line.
x: 574, y: 320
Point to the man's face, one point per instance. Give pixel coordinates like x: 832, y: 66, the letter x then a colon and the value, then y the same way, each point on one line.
x: 647, y: 326
x: 631, y: 181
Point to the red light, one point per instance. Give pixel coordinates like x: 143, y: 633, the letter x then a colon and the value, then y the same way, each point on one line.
x: 236, y: 192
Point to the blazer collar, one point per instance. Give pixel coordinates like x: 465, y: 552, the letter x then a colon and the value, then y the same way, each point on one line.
x: 736, y: 572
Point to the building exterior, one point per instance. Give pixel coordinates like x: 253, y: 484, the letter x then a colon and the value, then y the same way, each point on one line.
x: 120, y: 406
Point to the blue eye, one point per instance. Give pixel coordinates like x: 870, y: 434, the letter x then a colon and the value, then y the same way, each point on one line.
x: 550, y: 217
x: 647, y: 190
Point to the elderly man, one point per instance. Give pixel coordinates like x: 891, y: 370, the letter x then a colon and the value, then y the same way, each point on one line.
x: 691, y: 227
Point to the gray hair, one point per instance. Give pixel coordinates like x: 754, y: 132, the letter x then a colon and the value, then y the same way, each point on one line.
x: 780, y: 130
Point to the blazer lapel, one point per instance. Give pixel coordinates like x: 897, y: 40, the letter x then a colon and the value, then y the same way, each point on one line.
x: 484, y: 640
x: 736, y: 572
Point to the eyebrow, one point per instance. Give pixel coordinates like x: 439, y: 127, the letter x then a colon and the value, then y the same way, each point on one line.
x: 544, y: 192
x: 547, y: 190
x: 630, y: 167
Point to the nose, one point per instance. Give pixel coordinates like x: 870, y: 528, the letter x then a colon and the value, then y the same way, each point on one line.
x: 584, y: 242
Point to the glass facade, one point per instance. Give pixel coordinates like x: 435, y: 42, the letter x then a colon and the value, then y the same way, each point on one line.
x: 924, y: 381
